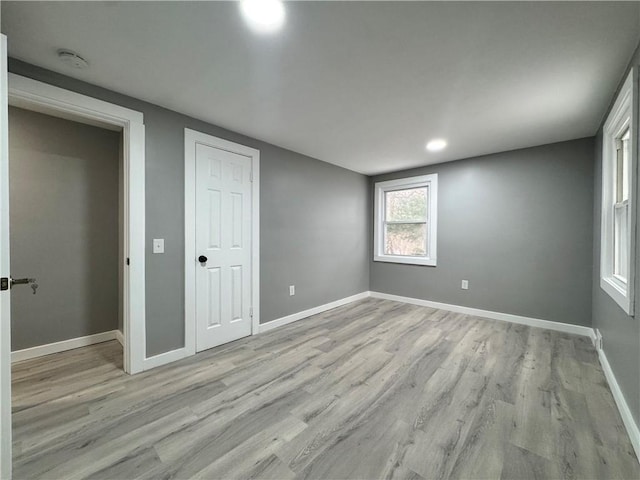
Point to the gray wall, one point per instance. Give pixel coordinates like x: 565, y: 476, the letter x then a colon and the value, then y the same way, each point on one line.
x: 517, y: 225
x: 620, y: 332
x: 314, y: 222
x: 314, y: 233
x: 64, y: 228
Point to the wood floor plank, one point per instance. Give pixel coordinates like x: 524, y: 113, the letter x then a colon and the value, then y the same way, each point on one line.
x: 373, y: 389
x: 522, y: 464
x: 533, y: 424
x: 607, y: 421
x: 444, y: 422
x: 133, y: 465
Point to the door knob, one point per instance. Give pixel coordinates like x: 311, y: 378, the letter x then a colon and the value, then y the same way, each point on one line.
x: 202, y: 259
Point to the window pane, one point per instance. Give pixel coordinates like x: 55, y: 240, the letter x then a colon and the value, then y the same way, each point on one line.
x: 406, y: 205
x: 625, y: 165
x: 622, y: 167
x: 620, y: 240
x: 405, y: 239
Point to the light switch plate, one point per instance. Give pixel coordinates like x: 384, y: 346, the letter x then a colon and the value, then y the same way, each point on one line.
x: 158, y: 245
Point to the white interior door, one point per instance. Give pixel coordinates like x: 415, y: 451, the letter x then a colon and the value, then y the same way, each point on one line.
x: 223, y: 246
x: 5, y: 308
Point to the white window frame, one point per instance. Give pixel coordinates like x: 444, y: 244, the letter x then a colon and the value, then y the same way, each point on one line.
x: 623, y: 116
x: 429, y: 181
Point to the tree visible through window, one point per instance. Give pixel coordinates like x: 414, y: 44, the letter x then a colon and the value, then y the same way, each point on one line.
x: 406, y: 222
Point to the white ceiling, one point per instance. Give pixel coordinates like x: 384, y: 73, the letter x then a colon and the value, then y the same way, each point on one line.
x: 361, y: 85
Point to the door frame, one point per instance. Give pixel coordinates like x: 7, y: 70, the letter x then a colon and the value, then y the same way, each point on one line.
x: 44, y: 98
x: 191, y: 139
x: 5, y: 298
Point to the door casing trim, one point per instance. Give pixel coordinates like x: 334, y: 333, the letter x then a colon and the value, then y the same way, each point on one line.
x: 44, y: 98
x: 191, y: 139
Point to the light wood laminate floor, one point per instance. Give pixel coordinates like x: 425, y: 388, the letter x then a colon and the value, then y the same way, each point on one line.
x: 374, y: 389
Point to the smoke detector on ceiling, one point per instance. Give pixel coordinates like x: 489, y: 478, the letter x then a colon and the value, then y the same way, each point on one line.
x: 72, y: 59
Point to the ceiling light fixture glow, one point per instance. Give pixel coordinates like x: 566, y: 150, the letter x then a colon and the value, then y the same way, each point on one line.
x: 263, y: 16
x: 436, y: 145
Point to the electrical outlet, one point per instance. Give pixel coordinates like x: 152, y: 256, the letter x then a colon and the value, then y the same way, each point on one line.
x: 465, y: 285
x: 292, y: 290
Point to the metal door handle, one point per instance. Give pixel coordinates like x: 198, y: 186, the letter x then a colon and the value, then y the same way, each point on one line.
x: 202, y: 259
x: 22, y: 281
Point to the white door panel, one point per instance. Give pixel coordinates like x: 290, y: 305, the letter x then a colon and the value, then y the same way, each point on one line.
x: 223, y: 236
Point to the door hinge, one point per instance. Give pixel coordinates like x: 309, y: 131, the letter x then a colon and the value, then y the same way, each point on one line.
x: 128, y: 263
x: 4, y: 283
x: 251, y: 176
x: 251, y: 312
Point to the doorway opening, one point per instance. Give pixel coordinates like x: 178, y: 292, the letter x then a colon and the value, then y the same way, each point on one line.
x: 66, y: 235
x: 40, y: 97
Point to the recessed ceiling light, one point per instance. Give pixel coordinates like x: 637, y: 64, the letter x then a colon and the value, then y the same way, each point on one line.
x: 72, y: 59
x: 436, y: 145
x: 264, y: 16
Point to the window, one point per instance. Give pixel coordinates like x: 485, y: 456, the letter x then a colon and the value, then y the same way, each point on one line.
x: 405, y: 220
x: 618, y: 208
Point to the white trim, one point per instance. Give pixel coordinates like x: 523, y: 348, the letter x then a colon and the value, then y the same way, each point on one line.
x: 380, y: 188
x: 191, y: 139
x: 621, y: 117
x: 255, y: 241
x: 505, y: 317
x: 164, y: 358
x: 30, y: 94
x: 5, y: 296
x: 119, y: 337
x: 621, y: 402
x: 134, y: 318
x: 189, y: 243
x: 44, y: 98
x: 63, y: 346
x: 279, y: 322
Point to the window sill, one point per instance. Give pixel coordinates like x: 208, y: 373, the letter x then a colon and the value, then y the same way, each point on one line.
x: 430, y: 262
x: 617, y: 293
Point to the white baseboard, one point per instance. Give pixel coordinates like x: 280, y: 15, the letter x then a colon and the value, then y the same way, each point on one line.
x: 505, y: 317
x: 265, y: 327
x: 62, y: 346
x: 164, y: 358
x: 119, y: 337
x: 623, y: 407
